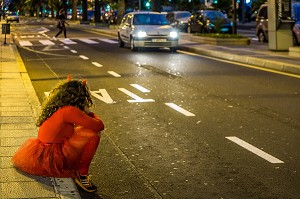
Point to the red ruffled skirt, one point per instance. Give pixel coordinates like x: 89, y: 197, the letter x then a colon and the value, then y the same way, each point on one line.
x: 51, y: 160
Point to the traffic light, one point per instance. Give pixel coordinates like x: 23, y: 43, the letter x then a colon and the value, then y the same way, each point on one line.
x: 148, y: 5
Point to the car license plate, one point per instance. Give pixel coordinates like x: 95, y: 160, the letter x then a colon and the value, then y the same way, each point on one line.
x: 159, y: 40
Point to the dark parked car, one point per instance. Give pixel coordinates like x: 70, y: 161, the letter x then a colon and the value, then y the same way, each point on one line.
x: 12, y: 16
x: 179, y: 19
x: 209, y: 21
x: 262, y: 23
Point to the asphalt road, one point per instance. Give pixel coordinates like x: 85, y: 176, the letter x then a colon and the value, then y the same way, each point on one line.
x: 235, y: 136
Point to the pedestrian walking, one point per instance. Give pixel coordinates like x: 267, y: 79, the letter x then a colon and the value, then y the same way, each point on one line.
x: 68, y: 136
x: 61, y: 24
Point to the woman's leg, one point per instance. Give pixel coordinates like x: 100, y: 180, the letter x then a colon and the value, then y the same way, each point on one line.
x: 85, y: 142
x: 60, y: 31
x: 88, y: 154
x: 65, y: 32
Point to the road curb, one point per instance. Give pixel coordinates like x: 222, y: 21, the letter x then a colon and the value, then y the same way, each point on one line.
x: 63, y: 187
x: 267, y: 64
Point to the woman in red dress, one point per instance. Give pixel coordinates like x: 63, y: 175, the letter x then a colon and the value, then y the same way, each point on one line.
x: 68, y: 136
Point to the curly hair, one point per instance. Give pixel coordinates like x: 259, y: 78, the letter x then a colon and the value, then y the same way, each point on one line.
x: 68, y: 93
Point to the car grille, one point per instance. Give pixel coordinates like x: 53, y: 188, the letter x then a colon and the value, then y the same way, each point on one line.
x: 154, y: 44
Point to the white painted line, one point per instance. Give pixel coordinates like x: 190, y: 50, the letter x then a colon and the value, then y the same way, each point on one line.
x: 66, y: 47
x: 134, y: 96
x: 139, y: 87
x: 25, y: 43
x: 89, y: 41
x: 83, y: 57
x: 97, y: 64
x: 114, y: 74
x: 254, y: 150
x: 46, y: 42
x: 105, y: 97
x: 179, y: 109
x: 68, y: 41
x: 109, y: 41
x: 73, y: 51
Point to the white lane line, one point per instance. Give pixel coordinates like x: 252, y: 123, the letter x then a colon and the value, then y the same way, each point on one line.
x: 83, y: 57
x: 139, y: 87
x: 73, y: 51
x: 46, y: 42
x: 89, y: 41
x: 97, y: 64
x: 179, y: 109
x: 109, y: 41
x: 114, y: 74
x: 254, y: 150
x: 25, y: 43
x: 66, y: 47
x: 134, y: 96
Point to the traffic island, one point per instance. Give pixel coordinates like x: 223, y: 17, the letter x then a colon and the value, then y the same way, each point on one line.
x: 221, y: 39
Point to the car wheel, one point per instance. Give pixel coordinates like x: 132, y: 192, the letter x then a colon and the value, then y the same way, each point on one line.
x: 121, y: 43
x: 261, y: 37
x: 173, y: 49
x: 132, y: 47
x: 189, y: 30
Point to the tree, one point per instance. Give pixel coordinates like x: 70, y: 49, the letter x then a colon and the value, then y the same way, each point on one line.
x: 74, y: 10
x: 121, y: 10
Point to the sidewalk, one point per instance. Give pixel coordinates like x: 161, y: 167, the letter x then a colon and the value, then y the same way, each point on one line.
x: 19, y: 107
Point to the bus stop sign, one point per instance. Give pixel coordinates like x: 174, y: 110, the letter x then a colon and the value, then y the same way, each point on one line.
x: 6, y: 28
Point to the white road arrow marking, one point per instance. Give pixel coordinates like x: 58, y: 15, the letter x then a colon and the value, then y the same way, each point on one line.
x: 105, y: 97
x: 140, y: 88
x: 134, y: 96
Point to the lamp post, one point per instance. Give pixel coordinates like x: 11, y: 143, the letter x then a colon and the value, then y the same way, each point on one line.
x: 234, y: 18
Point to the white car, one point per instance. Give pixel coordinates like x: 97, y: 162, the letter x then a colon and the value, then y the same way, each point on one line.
x: 147, y: 30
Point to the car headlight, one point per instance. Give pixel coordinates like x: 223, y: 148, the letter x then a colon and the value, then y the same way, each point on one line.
x: 173, y: 34
x: 141, y: 34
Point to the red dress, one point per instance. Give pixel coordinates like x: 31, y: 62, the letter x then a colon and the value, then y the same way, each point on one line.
x: 61, y: 140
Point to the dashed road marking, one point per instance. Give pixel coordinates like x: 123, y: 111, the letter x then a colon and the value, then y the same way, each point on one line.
x: 73, y: 51
x: 114, y: 74
x: 97, y: 64
x: 179, y: 109
x: 83, y: 57
x: 254, y: 150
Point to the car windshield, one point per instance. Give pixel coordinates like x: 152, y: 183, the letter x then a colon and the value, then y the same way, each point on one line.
x: 214, y: 15
x: 150, y: 19
x: 182, y: 15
